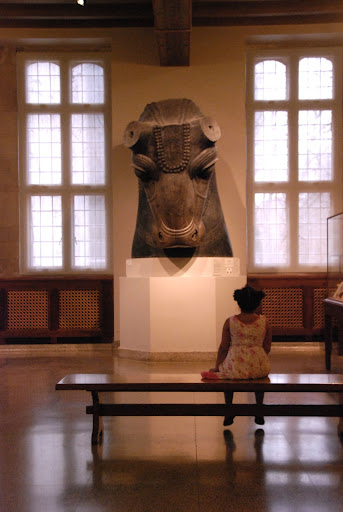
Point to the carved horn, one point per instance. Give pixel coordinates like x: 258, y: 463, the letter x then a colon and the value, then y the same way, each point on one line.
x: 210, y: 128
x: 132, y: 133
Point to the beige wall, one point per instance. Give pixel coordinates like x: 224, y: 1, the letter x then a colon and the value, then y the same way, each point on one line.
x: 214, y: 81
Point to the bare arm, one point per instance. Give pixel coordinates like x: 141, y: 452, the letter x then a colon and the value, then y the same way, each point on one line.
x: 224, y: 345
x: 267, y: 342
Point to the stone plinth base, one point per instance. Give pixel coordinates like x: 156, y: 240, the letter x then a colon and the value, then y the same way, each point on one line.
x: 177, y: 317
x: 183, y: 267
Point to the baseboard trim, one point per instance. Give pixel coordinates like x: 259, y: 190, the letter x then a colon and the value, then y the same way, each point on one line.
x: 142, y: 355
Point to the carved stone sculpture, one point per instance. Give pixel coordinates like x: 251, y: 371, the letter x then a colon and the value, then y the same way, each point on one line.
x: 173, y: 155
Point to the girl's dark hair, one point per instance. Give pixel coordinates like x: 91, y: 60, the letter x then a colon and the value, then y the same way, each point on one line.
x: 248, y: 299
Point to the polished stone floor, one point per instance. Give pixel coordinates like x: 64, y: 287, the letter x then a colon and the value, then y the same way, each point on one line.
x: 176, y: 464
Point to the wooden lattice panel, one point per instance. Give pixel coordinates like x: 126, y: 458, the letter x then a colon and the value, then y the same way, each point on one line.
x: 27, y: 309
x: 283, y: 307
x: 79, y: 309
x: 319, y: 294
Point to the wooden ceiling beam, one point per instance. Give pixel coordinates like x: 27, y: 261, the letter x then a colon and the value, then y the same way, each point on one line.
x: 172, y: 27
x: 267, y: 12
x: 71, y: 15
x: 168, y: 15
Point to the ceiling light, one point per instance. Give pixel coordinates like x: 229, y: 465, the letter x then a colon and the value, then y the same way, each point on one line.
x: 81, y: 2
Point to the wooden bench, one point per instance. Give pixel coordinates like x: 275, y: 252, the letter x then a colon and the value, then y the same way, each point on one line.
x: 275, y: 383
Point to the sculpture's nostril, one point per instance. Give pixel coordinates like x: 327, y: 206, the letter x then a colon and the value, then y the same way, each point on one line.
x: 195, y: 235
x: 160, y: 236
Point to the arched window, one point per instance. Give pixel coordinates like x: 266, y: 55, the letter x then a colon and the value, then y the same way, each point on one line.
x: 315, y: 78
x: 65, y: 181
x: 87, y: 83
x: 270, y: 80
x: 294, y: 179
x: 43, y: 82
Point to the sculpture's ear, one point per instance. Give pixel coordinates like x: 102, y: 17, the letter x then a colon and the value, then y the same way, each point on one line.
x: 210, y: 128
x: 132, y: 133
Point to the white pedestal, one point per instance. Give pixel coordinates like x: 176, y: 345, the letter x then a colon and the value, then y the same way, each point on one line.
x: 176, y: 313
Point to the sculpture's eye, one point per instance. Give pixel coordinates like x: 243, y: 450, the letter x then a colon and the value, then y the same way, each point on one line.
x: 204, y: 173
x: 143, y: 175
x: 202, y: 166
x: 145, y: 168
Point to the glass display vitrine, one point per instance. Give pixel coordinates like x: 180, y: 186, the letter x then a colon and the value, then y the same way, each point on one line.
x: 333, y: 304
x: 335, y: 256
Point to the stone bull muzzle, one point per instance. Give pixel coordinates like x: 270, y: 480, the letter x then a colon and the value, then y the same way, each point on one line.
x: 190, y: 236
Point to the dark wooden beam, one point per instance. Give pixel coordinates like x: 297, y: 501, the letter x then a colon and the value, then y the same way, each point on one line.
x: 173, y: 22
x: 267, y: 12
x: 36, y: 15
x: 167, y: 15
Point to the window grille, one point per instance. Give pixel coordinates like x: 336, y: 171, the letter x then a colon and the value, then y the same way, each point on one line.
x: 79, y: 309
x: 283, y: 307
x: 27, y: 309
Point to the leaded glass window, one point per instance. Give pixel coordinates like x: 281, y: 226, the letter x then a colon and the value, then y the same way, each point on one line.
x: 64, y: 141
x: 294, y: 164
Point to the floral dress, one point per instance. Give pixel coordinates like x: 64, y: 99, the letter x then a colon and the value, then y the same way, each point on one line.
x: 246, y: 357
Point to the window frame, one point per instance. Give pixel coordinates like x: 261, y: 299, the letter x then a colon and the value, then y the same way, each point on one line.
x: 67, y: 190
x: 293, y: 187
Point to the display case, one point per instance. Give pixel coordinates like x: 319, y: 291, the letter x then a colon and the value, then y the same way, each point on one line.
x: 333, y: 304
x: 335, y: 256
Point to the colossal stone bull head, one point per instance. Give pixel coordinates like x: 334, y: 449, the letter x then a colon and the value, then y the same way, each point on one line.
x: 173, y: 154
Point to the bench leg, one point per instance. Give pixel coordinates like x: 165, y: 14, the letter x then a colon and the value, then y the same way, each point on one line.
x: 328, y: 341
x: 97, y: 432
x: 340, y: 423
